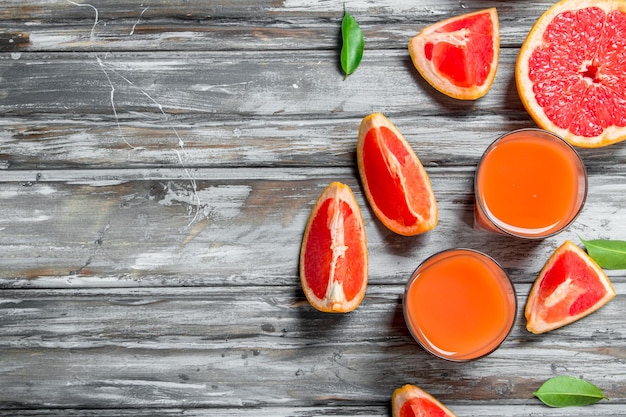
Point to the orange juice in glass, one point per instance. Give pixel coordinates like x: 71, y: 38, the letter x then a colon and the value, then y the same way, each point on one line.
x: 459, y: 305
x: 529, y: 183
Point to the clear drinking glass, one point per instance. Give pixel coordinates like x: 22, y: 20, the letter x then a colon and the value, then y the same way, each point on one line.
x: 530, y: 183
x: 459, y: 305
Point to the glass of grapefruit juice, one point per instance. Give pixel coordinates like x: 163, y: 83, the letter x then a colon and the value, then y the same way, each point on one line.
x: 459, y: 305
x: 529, y: 183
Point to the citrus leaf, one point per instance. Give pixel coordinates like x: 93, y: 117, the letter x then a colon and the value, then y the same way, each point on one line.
x: 353, y: 44
x: 567, y: 391
x: 609, y: 254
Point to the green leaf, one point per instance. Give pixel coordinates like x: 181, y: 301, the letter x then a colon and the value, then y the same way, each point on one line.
x: 353, y: 44
x: 567, y: 391
x: 609, y: 254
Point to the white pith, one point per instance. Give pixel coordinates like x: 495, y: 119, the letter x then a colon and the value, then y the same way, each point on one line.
x: 335, y: 295
x: 564, y: 290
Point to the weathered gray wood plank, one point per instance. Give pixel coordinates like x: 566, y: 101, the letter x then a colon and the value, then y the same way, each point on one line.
x: 164, y: 110
x: 50, y: 142
x: 54, y: 142
x: 245, y: 25
x: 607, y: 409
x: 236, y: 230
x: 295, y: 83
x: 220, y: 347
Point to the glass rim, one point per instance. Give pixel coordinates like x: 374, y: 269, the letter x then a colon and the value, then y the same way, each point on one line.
x: 578, y: 161
x: 507, y: 281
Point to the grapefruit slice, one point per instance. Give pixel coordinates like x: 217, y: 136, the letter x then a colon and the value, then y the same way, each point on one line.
x: 571, y: 71
x: 459, y: 56
x: 396, y: 184
x: 569, y: 287
x: 412, y: 401
x: 333, y: 256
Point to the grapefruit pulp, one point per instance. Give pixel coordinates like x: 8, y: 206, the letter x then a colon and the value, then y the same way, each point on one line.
x: 396, y: 184
x: 412, y: 401
x: 571, y: 71
x: 459, y: 56
x: 333, y: 256
x: 569, y: 287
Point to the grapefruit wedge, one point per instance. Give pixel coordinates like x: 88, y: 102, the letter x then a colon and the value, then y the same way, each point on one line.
x: 333, y: 256
x: 571, y: 71
x: 569, y: 287
x: 396, y: 184
x: 459, y: 56
x: 412, y: 401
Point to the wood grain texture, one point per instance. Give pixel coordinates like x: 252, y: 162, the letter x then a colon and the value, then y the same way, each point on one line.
x: 236, y: 227
x: 241, y: 25
x: 158, y: 162
x: 609, y: 410
x: 291, y: 109
x: 182, y: 347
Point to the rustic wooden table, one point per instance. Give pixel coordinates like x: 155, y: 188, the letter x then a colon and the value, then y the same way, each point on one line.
x: 159, y: 161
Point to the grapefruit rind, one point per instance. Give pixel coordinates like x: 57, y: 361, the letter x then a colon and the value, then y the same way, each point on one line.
x: 611, y: 134
x: 539, y: 305
x: 434, y: 34
x: 411, y: 392
x: 334, y: 299
x: 426, y: 216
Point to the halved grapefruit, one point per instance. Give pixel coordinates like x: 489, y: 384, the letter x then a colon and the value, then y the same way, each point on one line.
x: 569, y: 287
x: 396, y: 184
x: 459, y: 56
x: 412, y: 401
x: 571, y: 71
x: 333, y: 256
